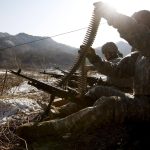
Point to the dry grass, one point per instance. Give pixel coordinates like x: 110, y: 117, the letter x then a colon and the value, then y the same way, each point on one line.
x: 8, y: 139
x: 10, y: 82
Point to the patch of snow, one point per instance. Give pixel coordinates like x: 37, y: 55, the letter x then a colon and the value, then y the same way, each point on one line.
x: 11, y: 107
x: 22, y: 103
x: 3, y: 71
x: 10, y: 43
x: 98, y: 75
x: 54, y: 71
x: 24, y: 87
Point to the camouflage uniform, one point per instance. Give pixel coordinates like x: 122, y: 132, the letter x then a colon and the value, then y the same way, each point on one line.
x: 121, y: 106
x: 119, y: 83
x: 110, y: 89
x: 112, y: 54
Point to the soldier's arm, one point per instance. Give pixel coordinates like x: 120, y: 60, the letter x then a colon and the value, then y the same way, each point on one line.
x: 122, y: 69
x: 137, y: 35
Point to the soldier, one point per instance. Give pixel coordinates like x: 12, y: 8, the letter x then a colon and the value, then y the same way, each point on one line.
x: 110, y: 51
x: 120, y: 107
x: 112, y: 54
x: 113, y: 84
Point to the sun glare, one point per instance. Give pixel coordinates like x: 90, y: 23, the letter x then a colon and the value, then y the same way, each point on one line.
x: 128, y: 7
x: 105, y: 33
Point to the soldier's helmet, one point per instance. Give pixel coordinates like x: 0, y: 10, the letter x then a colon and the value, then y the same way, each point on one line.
x: 142, y: 16
x: 111, y: 47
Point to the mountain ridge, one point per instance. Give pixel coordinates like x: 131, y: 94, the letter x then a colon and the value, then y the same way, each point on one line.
x: 28, y: 51
x: 35, y: 52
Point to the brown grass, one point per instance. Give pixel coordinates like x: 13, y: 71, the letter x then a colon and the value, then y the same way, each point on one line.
x: 8, y: 139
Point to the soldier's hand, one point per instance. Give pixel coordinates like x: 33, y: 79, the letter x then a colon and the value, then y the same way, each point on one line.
x: 89, y: 52
x: 82, y: 49
x: 103, y: 9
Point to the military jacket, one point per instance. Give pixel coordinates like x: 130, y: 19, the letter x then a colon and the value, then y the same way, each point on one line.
x: 119, y: 82
x: 136, y: 64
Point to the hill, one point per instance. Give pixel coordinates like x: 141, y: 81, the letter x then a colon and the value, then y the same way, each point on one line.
x: 45, y: 53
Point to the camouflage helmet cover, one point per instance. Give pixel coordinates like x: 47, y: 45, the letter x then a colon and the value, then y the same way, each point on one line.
x: 109, y: 47
x: 142, y: 16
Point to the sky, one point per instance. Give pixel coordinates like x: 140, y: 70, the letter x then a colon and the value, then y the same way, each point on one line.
x: 53, y: 17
